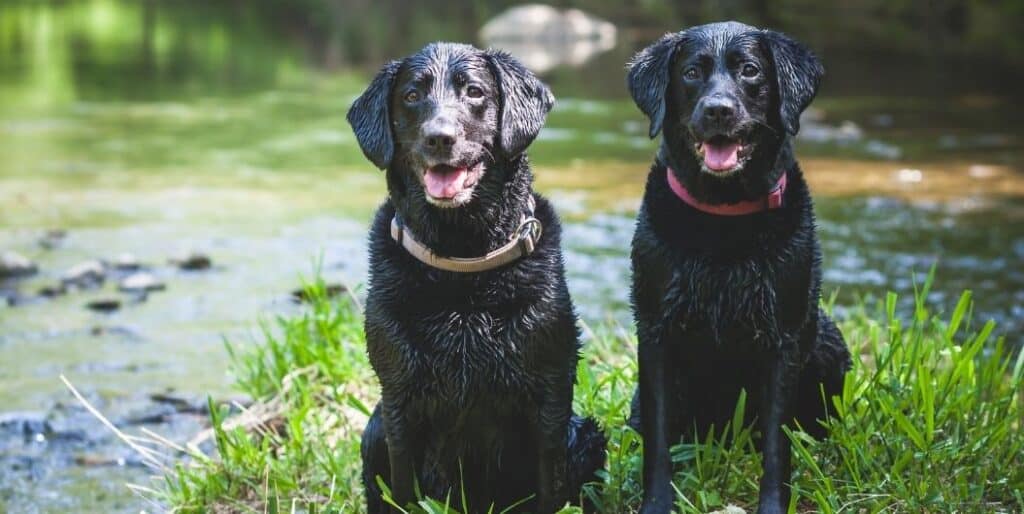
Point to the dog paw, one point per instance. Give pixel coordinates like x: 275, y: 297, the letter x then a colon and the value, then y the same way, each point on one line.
x: 770, y: 508
x: 656, y: 506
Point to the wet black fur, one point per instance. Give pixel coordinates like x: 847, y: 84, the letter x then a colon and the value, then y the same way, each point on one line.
x: 724, y: 303
x: 476, y: 369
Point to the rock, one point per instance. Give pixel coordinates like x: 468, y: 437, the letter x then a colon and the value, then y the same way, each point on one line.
x: 52, y: 238
x: 543, y: 37
x: 141, y: 282
x: 909, y: 175
x: 884, y: 150
x: 730, y: 509
x: 817, y: 132
x: 330, y: 290
x: 14, y: 265
x: 193, y: 262
x: 16, y: 299
x: 27, y: 424
x: 127, y: 262
x: 883, y: 120
x: 849, y: 131
x: 86, y: 274
x: 52, y: 291
x: 95, y: 461
x: 104, y: 305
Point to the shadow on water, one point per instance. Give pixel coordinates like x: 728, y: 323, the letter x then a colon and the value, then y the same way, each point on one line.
x: 157, y: 129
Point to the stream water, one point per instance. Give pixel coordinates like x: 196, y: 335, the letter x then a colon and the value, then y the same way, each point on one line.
x: 260, y: 172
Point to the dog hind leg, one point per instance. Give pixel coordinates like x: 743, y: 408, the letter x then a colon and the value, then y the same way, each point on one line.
x: 376, y: 463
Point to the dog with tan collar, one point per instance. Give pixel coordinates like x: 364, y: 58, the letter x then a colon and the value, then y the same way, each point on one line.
x: 469, y: 323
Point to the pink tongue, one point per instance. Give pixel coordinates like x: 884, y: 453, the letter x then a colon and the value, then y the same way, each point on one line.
x: 445, y: 182
x: 721, y: 157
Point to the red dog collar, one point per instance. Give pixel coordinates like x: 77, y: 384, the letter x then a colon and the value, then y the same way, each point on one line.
x: 772, y: 201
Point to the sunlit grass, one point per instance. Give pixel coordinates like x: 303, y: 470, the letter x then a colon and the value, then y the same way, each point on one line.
x: 932, y: 415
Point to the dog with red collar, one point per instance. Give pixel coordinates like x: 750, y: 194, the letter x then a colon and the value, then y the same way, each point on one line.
x: 726, y: 260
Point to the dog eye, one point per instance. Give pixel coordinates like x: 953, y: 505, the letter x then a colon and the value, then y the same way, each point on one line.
x: 691, y: 73
x: 474, y: 92
x: 750, y: 70
x: 412, y: 96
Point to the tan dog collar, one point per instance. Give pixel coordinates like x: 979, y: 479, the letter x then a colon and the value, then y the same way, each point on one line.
x: 522, y: 243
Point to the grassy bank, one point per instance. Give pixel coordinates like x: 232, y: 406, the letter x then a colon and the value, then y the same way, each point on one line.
x: 932, y: 423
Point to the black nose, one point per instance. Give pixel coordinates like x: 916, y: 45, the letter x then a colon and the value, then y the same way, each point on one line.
x: 440, y: 141
x: 439, y: 134
x: 719, y: 110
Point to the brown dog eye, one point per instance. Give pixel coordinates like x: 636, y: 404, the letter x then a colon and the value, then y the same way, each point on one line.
x: 412, y: 96
x: 750, y: 70
x: 691, y: 73
x: 474, y: 92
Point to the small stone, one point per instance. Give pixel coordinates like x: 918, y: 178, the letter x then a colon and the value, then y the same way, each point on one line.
x: 194, y: 262
x: 104, y: 305
x: 93, y: 461
x: 52, y: 238
x: 909, y: 175
x: 141, y: 282
x: 883, y: 120
x: 330, y: 290
x: 127, y: 262
x: 882, y: 149
x: 85, y: 274
x: 13, y: 265
x: 26, y: 424
x: 52, y: 291
x: 730, y: 509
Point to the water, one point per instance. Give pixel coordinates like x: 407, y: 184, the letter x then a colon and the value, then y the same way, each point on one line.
x: 207, y: 129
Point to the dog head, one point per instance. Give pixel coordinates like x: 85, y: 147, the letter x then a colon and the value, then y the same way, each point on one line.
x: 726, y: 94
x: 444, y: 117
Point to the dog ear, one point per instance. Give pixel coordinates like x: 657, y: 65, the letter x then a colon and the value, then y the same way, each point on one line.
x: 649, y: 75
x: 371, y: 120
x: 798, y: 75
x: 525, y: 101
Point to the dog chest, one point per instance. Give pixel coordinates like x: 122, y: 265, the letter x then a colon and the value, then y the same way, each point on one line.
x: 457, y: 354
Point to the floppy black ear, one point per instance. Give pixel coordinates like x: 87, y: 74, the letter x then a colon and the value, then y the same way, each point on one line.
x: 371, y: 120
x: 798, y: 75
x: 648, y: 78
x: 525, y: 101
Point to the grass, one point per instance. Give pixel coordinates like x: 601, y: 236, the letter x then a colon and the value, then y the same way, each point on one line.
x: 932, y: 419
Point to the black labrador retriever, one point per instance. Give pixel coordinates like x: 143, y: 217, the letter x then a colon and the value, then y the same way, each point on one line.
x: 726, y: 261
x: 469, y: 323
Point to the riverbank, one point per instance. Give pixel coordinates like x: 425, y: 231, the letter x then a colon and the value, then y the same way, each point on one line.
x: 932, y: 417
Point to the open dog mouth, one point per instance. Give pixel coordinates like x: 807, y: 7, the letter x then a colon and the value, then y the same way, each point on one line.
x: 447, y: 183
x: 723, y: 154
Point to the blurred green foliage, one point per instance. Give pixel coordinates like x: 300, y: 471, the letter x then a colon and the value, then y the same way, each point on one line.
x: 54, y: 51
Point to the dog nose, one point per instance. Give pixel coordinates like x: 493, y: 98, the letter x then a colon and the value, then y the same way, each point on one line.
x: 719, y: 109
x: 439, y: 141
x: 439, y: 134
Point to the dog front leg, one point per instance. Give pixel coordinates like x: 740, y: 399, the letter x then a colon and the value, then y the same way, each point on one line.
x: 553, y: 439
x: 654, y: 392
x: 401, y: 452
x: 776, y: 404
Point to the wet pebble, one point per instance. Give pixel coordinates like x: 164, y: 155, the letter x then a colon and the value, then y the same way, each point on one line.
x: 141, y: 282
x: 14, y: 265
x: 883, y: 120
x: 330, y: 290
x: 52, y: 238
x: 193, y: 262
x: 27, y: 424
x: 884, y: 150
x: 52, y: 290
x: 104, y: 305
x: 127, y: 262
x: 84, y: 275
